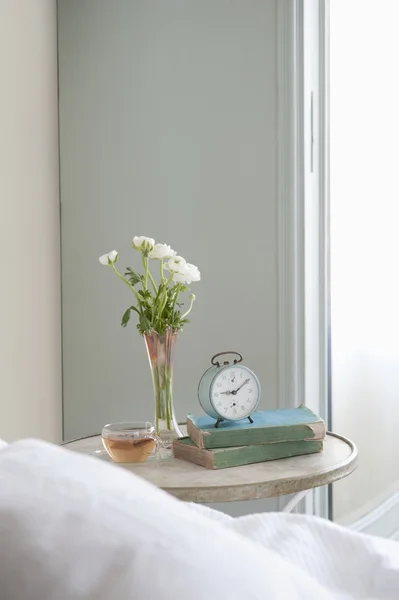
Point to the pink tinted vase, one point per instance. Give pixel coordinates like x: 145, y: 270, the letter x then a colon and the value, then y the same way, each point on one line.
x: 160, y: 349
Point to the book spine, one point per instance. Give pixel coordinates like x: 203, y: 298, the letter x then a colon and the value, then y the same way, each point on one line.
x: 239, y: 456
x: 258, y: 436
x: 236, y: 457
x: 319, y: 431
x: 195, y: 434
x: 201, y: 457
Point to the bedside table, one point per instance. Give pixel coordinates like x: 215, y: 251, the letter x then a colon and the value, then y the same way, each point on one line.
x: 192, y: 483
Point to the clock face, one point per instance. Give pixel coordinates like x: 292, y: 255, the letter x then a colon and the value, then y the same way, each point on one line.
x: 235, y: 393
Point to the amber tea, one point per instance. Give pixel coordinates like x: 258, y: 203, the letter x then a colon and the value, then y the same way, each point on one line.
x: 130, y: 442
x: 129, y: 450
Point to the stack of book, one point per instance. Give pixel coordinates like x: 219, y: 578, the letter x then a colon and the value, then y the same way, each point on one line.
x: 273, y: 434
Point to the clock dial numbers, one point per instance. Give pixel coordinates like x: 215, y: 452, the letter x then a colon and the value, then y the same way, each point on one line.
x: 234, y: 393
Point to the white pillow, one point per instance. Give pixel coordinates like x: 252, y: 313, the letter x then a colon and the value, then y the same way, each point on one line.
x: 75, y: 528
x: 3, y: 444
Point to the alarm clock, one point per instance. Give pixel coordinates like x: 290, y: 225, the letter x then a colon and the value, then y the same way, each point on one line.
x: 229, y: 392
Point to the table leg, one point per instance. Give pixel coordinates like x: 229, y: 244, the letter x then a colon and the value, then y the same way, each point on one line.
x: 289, y: 507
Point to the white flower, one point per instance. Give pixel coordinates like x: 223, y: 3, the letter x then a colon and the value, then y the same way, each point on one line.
x: 142, y: 243
x: 176, y: 264
x: 161, y: 251
x: 191, y: 273
x: 109, y: 259
x: 179, y: 278
x: 187, y: 274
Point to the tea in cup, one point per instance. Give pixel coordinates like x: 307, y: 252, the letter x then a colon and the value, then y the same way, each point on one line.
x: 130, y: 442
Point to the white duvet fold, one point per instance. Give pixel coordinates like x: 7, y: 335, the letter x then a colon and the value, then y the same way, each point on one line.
x: 73, y: 527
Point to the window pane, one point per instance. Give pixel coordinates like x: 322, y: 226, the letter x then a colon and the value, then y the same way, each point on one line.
x: 365, y: 247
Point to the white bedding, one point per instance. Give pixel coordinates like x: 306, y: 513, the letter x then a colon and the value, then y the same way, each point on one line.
x: 76, y: 528
x: 346, y: 563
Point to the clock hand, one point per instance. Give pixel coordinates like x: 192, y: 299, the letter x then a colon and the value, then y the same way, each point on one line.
x: 242, y: 385
x: 228, y: 392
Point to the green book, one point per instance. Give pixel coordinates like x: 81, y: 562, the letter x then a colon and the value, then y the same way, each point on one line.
x: 222, y: 458
x: 269, y: 426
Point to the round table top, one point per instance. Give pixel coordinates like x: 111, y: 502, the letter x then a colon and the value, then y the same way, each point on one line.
x: 193, y: 483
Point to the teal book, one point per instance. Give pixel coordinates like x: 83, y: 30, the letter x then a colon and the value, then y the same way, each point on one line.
x: 268, y: 427
x: 223, y: 458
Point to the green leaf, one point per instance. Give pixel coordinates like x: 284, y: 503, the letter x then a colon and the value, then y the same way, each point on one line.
x: 161, y: 289
x: 145, y: 294
x: 126, y: 316
x: 144, y: 324
x: 133, y: 277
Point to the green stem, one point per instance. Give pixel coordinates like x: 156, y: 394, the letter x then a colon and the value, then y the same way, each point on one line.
x: 177, y: 292
x: 169, y: 280
x: 147, y: 273
x: 162, y: 376
x: 189, y: 308
x: 161, y: 270
x: 145, y: 265
x: 164, y: 299
x: 162, y: 306
x: 125, y: 281
x: 158, y: 415
x: 175, y: 299
x: 154, y: 285
x: 163, y: 397
x: 168, y: 400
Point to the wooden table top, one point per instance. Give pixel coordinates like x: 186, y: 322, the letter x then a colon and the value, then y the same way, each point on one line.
x: 193, y: 483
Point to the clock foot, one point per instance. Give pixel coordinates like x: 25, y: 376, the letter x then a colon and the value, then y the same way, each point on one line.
x: 250, y: 420
x: 218, y: 422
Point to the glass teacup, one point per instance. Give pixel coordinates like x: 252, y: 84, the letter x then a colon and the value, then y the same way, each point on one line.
x: 130, y: 441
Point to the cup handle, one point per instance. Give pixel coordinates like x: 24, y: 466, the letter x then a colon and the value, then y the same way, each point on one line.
x: 158, y: 445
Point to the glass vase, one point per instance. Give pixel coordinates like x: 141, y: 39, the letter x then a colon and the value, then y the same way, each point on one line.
x: 160, y: 349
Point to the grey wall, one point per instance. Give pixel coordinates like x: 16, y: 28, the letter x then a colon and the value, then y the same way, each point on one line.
x: 168, y: 129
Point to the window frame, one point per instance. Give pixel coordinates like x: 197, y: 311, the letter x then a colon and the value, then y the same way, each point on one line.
x: 303, y: 216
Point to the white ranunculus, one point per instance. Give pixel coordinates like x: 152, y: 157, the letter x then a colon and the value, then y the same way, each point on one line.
x: 142, y: 243
x: 191, y: 273
x: 109, y: 259
x: 187, y: 274
x: 179, y: 278
x: 161, y: 252
x: 176, y: 264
